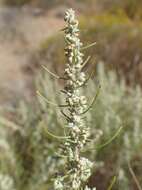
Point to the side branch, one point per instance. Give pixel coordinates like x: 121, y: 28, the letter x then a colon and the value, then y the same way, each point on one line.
x: 53, y: 74
x: 49, y: 102
x: 88, y: 46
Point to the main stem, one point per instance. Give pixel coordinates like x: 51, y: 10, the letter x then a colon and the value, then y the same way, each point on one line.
x: 78, y: 168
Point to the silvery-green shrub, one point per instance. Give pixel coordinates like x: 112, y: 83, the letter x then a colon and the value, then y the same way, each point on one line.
x: 117, y: 105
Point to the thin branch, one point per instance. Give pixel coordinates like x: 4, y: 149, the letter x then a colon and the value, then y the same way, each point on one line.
x: 88, y: 46
x: 63, y: 91
x: 59, y: 155
x: 108, y: 141
x: 63, y: 106
x: 67, y: 117
x: 63, y: 29
x: 63, y: 78
x: 86, y: 61
x: 111, y: 139
x: 53, y: 74
x: 112, y: 183
x: 134, y: 177
x: 49, y: 102
x: 55, y: 136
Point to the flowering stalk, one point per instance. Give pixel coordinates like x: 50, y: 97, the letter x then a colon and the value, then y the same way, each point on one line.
x: 77, y: 168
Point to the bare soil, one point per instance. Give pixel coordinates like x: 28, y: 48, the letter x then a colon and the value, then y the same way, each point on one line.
x: 21, y: 32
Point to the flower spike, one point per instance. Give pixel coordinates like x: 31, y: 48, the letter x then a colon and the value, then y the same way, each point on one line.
x: 76, y: 128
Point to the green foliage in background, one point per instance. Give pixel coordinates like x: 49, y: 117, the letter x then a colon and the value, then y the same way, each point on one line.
x: 28, y: 155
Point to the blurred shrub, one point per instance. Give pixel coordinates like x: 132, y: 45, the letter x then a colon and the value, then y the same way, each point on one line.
x: 28, y: 155
x: 16, y: 2
x: 117, y: 44
x: 52, y: 52
x: 39, y: 3
x: 132, y: 8
x: 117, y: 106
x: 47, y: 3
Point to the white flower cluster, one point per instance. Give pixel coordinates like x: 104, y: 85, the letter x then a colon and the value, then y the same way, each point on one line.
x: 72, y: 51
x: 85, y: 166
x: 58, y: 185
x: 6, y: 182
x: 88, y: 188
x: 78, y: 168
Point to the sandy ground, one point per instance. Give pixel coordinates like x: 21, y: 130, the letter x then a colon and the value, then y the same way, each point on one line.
x: 21, y: 32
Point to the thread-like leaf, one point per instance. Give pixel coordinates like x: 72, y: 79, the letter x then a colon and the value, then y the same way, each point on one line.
x: 93, y: 101
x: 134, y: 177
x: 111, y: 139
x: 53, y: 135
x: 49, y: 102
x: 112, y: 183
x: 88, y: 46
x: 51, y: 73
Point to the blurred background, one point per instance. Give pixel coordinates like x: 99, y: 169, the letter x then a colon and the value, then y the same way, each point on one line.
x: 30, y: 36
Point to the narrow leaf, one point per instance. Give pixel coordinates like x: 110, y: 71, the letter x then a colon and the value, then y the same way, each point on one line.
x: 93, y: 101
x: 88, y: 46
x: 49, y: 102
x: 53, y: 74
x: 134, y: 177
x: 54, y: 136
x: 111, y: 139
x: 112, y: 183
x: 45, y: 99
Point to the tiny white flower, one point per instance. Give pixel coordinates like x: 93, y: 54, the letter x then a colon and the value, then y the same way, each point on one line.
x: 78, y: 66
x: 76, y: 118
x: 88, y: 188
x: 58, y: 184
x: 83, y: 100
x: 75, y: 184
x: 71, y: 125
